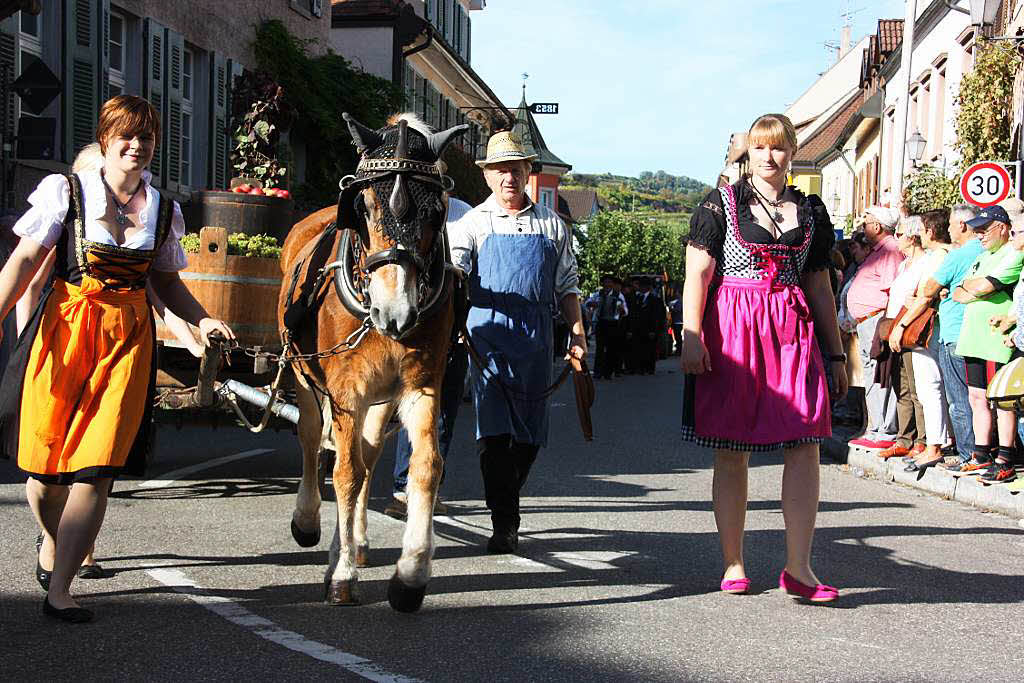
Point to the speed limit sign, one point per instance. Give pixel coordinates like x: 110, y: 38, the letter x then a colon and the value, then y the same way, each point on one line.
x: 985, y: 183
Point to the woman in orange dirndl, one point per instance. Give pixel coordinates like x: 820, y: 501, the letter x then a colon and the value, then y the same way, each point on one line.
x: 76, y: 396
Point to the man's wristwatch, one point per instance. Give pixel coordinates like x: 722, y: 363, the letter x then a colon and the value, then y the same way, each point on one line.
x: 836, y: 357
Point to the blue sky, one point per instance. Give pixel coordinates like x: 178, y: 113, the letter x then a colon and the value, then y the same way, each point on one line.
x: 658, y: 84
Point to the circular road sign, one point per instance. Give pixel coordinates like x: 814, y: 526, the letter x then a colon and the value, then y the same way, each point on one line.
x: 985, y: 184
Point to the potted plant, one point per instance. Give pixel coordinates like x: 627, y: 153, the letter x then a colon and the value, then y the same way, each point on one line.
x: 258, y: 201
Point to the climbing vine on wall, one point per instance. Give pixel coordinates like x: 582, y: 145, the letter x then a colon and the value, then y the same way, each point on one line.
x: 984, y: 119
x: 928, y: 188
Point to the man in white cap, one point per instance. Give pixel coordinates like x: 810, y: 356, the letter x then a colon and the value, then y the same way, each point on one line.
x: 519, y: 261
x: 866, y: 300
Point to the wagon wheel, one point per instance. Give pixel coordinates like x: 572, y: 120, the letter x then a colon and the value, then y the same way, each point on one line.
x: 324, y: 470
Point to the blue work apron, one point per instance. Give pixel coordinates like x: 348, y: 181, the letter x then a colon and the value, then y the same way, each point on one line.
x: 512, y: 295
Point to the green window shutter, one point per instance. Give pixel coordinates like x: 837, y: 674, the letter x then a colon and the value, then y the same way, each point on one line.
x: 7, y: 67
x: 154, y: 89
x: 449, y: 19
x: 218, y: 173
x: 235, y: 70
x: 467, y: 37
x: 172, y: 119
x: 82, y: 48
x: 104, y: 51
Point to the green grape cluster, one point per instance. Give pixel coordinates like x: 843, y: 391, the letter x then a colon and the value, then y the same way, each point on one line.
x: 255, y: 246
x: 258, y: 246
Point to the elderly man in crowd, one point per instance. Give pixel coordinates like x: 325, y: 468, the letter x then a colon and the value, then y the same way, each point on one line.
x: 866, y: 301
x: 988, y: 290
x: 520, y: 264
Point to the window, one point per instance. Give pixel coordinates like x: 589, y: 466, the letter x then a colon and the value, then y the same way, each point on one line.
x: 116, y: 43
x: 888, y: 144
x: 547, y: 197
x: 31, y: 51
x: 966, y: 40
x: 187, y: 79
x: 29, y: 25
x: 923, y: 108
x: 939, y: 117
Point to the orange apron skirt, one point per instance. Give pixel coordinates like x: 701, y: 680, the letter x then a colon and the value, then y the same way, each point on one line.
x: 86, y: 385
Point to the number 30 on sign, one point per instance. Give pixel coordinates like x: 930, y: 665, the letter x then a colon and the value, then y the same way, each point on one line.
x: 985, y: 183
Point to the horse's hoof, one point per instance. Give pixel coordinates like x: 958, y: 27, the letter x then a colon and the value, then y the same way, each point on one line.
x: 305, y: 539
x: 362, y: 556
x: 403, y: 598
x: 341, y: 593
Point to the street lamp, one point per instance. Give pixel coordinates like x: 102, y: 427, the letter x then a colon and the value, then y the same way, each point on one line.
x: 915, y: 147
x: 835, y: 199
x: 983, y: 12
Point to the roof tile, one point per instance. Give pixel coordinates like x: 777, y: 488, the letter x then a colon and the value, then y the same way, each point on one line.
x: 826, y: 138
x: 578, y: 204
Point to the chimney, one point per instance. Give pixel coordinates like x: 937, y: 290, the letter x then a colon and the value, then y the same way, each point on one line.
x: 844, y: 44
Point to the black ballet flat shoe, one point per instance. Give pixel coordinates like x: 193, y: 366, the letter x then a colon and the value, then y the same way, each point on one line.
x: 93, y: 571
x: 72, y: 615
x: 42, y: 576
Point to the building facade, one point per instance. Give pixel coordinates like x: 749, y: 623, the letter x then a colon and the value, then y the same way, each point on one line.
x: 424, y: 46
x: 180, y: 55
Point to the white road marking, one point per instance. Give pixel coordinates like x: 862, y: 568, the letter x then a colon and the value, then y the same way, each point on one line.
x: 595, y: 559
x: 168, y: 478
x: 268, y: 630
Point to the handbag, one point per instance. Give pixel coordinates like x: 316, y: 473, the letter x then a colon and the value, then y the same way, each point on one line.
x: 1006, y: 388
x: 918, y: 332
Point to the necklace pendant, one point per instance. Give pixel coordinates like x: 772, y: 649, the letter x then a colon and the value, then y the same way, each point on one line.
x: 121, y: 219
x: 778, y: 216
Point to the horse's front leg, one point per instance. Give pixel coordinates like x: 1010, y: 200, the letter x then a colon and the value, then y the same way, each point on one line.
x: 374, y: 427
x: 409, y: 584
x: 306, y: 517
x: 349, y: 474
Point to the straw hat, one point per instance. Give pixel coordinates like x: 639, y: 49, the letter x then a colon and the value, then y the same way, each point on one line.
x: 505, y: 146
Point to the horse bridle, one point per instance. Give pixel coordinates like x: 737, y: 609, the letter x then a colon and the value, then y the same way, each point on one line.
x: 355, y: 265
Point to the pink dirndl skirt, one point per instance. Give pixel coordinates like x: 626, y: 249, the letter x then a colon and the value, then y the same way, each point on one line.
x: 766, y: 388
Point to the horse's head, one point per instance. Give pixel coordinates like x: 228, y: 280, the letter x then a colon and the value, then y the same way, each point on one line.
x: 393, y: 212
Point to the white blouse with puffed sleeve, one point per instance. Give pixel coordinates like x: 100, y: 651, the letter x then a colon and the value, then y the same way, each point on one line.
x: 44, y: 220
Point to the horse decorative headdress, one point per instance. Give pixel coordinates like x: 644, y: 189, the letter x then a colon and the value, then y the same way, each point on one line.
x: 400, y: 164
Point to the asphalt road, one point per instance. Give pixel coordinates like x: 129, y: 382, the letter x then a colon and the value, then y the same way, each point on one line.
x: 616, y: 578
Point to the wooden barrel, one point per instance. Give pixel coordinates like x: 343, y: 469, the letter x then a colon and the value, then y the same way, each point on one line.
x: 240, y: 290
x: 241, y: 213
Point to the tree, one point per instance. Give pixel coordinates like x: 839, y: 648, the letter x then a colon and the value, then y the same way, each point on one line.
x: 624, y: 243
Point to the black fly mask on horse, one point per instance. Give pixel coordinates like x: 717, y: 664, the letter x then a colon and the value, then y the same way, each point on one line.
x: 399, y: 164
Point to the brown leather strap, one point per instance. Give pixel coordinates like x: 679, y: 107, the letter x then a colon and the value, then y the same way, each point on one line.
x: 583, y: 385
x: 869, y: 316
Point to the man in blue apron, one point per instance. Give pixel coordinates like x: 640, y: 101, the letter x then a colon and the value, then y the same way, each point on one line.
x: 519, y: 261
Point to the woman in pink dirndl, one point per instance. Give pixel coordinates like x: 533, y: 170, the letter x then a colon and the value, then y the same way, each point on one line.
x: 756, y: 291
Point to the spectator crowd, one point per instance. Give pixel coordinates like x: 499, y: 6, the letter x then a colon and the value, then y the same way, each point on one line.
x: 929, y: 307
x: 632, y: 324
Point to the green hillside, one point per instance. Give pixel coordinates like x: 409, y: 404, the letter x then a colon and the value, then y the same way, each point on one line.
x: 652, y: 192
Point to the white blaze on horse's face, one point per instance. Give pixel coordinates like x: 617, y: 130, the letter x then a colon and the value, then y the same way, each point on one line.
x: 394, y: 290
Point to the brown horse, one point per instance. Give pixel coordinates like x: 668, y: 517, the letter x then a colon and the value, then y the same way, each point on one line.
x: 391, y: 293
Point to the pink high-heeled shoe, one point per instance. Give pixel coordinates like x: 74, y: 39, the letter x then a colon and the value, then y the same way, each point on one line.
x: 797, y: 589
x: 735, y: 586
